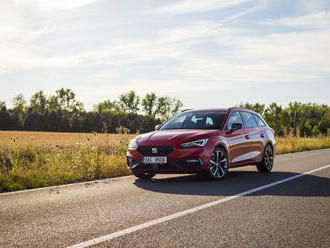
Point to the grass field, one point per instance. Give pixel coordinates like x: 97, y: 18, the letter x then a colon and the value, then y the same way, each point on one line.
x: 40, y: 159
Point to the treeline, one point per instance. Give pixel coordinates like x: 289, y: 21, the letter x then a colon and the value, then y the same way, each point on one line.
x: 298, y: 119
x: 62, y: 112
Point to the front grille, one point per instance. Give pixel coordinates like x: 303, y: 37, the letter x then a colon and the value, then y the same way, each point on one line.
x: 161, y: 150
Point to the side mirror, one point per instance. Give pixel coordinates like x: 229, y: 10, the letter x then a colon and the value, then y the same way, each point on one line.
x: 236, y: 126
x: 157, y: 127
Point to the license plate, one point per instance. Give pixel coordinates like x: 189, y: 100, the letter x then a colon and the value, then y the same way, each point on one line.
x: 154, y: 160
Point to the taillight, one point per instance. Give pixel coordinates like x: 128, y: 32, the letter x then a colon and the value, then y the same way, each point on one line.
x: 274, y: 133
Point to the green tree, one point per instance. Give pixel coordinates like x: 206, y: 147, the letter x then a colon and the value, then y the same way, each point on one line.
x: 18, y: 112
x: 273, y: 116
x: 149, y: 104
x: 38, y: 102
x: 167, y: 107
x: 107, y: 105
x: 19, y: 103
x: 63, y: 112
x: 68, y: 101
x: 65, y: 100
x: 5, y: 119
x: 257, y: 107
x: 129, y: 102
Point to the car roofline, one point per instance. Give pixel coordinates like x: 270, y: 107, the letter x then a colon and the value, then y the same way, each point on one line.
x: 205, y: 110
x: 218, y: 109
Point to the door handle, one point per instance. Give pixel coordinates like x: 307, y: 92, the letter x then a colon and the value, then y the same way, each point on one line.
x: 247, y: 136
x: 262, y: 135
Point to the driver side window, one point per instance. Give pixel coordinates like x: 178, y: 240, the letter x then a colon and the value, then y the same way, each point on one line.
x: 234, y: 117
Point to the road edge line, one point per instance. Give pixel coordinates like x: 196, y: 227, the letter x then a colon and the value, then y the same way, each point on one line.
x: 65, y: 185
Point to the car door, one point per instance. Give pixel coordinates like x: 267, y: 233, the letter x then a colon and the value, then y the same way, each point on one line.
x: 253, y: 138
x: 236, y: 140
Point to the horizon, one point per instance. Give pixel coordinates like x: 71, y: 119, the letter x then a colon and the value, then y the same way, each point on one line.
x: 10, y: 106
x: 206, y: 54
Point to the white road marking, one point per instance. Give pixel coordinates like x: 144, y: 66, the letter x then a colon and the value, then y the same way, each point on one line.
x: 186, y: 212
x: 64, y: 185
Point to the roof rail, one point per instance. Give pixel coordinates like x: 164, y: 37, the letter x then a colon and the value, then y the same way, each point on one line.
x: 185, y: 110
x: 231, y: 108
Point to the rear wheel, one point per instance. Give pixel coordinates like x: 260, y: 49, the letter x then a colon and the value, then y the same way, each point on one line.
x: 267, y: 161
x: 143, y: 175
x: 218, y: 164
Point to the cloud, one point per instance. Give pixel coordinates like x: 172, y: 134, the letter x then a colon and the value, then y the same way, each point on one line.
x: 169, y: 44
x: 193, y: 6
x: 314, y: 20
x: 239, y: 56
x: 282, y: 57
x: 171, y: 62
x: 192, y: 55
x: 314, y: 6
x: 51, y: 6
x: 261, y: 4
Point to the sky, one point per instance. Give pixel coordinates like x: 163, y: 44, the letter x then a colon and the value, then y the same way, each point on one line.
x: 209, y: 53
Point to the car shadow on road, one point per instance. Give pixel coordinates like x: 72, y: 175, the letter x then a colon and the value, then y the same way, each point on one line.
x: 239, y: 181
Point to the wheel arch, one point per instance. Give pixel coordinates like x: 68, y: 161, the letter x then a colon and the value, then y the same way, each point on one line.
x: 221, y: 145
x: 269, y: 142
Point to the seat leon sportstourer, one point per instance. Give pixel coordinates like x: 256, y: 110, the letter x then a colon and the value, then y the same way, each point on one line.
x: 207, y: 141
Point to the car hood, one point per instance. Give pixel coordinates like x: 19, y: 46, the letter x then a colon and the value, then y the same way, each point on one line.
x: 173, y: 137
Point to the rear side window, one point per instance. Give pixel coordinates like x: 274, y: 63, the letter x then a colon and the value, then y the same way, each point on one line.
x: 235, y: 117
x: 260, y: 122
x: 249, y: 120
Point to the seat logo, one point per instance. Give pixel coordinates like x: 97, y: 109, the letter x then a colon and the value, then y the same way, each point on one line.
x: 154, y: 150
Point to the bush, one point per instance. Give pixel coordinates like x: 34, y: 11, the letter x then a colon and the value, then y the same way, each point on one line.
x: 24, y: 166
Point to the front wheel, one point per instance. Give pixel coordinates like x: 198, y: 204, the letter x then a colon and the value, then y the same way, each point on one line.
x: 143, y: 175
x: 218, y: 168
x: 267, y: 161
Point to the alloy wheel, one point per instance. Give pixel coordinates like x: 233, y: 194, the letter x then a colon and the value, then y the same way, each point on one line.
x: 218, y: 164
x: 269, y: 157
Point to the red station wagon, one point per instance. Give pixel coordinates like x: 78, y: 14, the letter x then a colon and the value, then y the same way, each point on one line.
x: 206, y: 141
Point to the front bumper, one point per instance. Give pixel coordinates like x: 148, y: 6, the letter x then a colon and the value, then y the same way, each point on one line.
x: 181, y: 160
x: 185, y: 166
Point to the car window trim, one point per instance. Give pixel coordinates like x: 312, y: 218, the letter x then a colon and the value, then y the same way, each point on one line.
x: 255, y: 118
x: 244, y: 120
x: 243, y: 124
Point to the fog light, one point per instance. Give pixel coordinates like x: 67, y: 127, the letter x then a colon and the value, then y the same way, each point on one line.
x: 131, y: 163
x: 130, y: 160
x: 192, y: 160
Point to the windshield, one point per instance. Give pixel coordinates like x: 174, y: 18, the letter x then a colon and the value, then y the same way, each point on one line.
x: 196, y: 120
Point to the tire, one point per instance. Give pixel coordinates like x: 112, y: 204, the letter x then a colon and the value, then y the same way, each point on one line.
x: 143, y: 175
x: 218, y: 168
x: 267, y: 161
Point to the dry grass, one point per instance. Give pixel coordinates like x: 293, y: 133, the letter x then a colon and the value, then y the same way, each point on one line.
x: 39, y: 159
x: 57, y: 139
x: 298, y: 144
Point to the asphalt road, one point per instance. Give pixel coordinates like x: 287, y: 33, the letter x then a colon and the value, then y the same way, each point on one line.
x: 295, y: 213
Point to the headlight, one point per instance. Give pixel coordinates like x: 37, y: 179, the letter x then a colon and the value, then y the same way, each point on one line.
x: 132, y: 145
x: 200, y: 142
